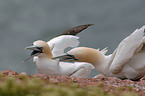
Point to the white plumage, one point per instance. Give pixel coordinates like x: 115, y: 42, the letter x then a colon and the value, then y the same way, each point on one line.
x: 58, y: 44
x: 127, y: 61
x: 46, y: 65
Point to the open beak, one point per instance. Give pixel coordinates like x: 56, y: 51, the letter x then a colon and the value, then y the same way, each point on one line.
x: 36, y: 51
x: 66, y: 58
x: 31, y: 47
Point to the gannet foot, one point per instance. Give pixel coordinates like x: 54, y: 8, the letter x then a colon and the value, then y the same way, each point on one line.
x: 123, y: 78
x: 136, y: 79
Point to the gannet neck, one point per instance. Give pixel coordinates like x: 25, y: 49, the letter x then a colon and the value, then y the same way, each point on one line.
x: 46, y: 49
x: 90, y: 55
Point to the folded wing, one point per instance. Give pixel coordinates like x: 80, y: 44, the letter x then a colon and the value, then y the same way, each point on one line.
x: 62, y: 42
x: 126, y: 49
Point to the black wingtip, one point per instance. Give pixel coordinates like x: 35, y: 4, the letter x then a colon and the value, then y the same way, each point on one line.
x: 75, y: 30
x: 89, y: 24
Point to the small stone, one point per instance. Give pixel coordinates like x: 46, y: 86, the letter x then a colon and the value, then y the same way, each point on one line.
x: 6, y: 71
x: 53, y: 80
x: 23, y: 73
x: 12, y: 73
x: 99, y: 75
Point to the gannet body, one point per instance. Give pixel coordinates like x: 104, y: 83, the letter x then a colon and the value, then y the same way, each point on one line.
x: 127, y: 61
x: 43, y: 53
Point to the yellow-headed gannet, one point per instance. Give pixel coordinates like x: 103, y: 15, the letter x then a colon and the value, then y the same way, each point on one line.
x: 127, y: 61
x: 56, y: 48
x: 46, y: 65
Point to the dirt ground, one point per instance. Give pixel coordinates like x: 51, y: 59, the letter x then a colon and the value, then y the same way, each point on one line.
x: 109, y: 84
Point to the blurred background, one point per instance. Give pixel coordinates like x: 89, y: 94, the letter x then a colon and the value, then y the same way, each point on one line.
x: 24, y: 21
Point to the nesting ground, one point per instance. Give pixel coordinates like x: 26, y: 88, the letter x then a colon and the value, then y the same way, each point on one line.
x: 107, y: 85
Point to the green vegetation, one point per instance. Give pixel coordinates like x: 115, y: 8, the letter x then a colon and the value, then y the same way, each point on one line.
x: 35, y: 86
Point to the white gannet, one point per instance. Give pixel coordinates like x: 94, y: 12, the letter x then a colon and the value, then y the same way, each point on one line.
x: 64, y: 40
x: 57, y: 46
x: 46, y: 65
x: 126, y: 62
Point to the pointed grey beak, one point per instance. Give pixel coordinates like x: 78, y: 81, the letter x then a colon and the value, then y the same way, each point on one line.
x: 66, y: 58
x: 36, y: 51
x: 31, y: 47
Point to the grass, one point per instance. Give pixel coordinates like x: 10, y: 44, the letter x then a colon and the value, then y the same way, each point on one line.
x: 35, y: 86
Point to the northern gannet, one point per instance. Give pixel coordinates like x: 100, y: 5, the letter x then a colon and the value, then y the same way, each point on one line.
x: 46, y: 65
x: 56, y: 47
x: 126, y: 62
x: 65, y: 39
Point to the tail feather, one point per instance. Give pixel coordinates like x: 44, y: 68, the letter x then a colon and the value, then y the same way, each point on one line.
x: 104, y: 51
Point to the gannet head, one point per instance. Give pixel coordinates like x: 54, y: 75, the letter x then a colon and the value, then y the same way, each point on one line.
x: 40, y: 48
x: 82, y: 54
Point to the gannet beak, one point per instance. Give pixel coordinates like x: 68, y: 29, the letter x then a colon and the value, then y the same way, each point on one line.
x: 36, y: 51
x: 66, y: 58
x: 31, y: 47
